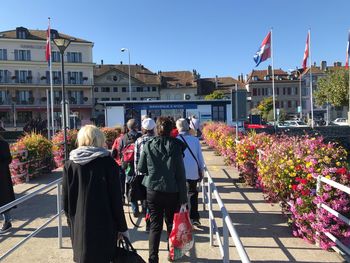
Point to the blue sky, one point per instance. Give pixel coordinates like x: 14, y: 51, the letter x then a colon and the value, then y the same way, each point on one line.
x: 214, y: 37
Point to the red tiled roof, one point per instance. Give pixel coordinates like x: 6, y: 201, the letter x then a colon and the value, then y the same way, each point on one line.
x: 138, y: 72
x: 39, y: 35
x: 261, y: 74
x: 209, y: 85
x: 314, y: 70
x: 173, y: 79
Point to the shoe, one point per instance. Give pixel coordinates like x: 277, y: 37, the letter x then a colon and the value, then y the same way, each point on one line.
x: 136, y: 214
x: 196, y: 223
x: 6, y: 227
x: 148, y: 227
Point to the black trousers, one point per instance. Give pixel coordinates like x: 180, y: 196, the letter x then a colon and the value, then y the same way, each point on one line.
x: 160, y: 204
x: 193, y: 194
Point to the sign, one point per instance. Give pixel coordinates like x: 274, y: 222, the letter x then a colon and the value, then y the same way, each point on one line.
x: 33, y: 46
x: 241, y: 104
x: 299, y: 109
x: 278, y: 112
x: 163, y: 106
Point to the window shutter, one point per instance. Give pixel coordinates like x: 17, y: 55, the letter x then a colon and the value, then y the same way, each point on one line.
x: 16, y: 54
x: 68, y: 57
x: 80, y: 77
x: 28, y: 55
x: 17, y: 76
x: 4, y: 54
x: 80, y: 57
x: 69, y: 75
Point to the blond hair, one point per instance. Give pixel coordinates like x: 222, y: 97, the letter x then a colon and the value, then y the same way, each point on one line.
x: 90, y: 135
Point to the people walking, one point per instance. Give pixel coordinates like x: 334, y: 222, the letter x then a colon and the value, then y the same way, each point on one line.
x: 92, y: 199
x: 127, y: 151
x: 195, y: 126
x: 165, y: 180
x: 194, y: 165
x: 6, y: 189
x: 147, y: 126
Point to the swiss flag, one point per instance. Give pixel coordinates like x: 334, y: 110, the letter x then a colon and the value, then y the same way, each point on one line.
x: 306, y: 52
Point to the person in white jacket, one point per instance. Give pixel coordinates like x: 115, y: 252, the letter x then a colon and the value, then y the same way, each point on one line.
x: 194, y: 165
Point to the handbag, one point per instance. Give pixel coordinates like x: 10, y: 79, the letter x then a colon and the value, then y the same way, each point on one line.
x: 200, y: 173
x: 125, y: 252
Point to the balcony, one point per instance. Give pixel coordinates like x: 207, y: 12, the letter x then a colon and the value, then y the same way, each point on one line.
x: 42, y: 81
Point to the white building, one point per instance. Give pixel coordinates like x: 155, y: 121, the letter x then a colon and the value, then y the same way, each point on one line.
x: 24, y: 76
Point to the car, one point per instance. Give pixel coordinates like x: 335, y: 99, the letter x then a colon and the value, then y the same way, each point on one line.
x: 340, y: 122
x: 295, y: 124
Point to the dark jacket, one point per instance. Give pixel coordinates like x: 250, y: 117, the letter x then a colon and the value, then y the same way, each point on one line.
x: 92, y: 202
x: 6, y: 189
x: 162, y: 162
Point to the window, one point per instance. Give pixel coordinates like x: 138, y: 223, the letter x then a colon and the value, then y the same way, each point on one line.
x: 278, y: 91
x: 277, y: 104
x: 295, y: 91
x: 289, y: 104
x: 218, y: 113
x: 115, y: 89
x: 76, y: 96
x: 22, y: 55
x: 24, y: 97
x: 146, y: 89
x: 139, y: 89
x: 95, y: 89
x: 24, y: 116
x: 284, y: 91
x: 75, y: 77
x: 154, y: 88
x: 105, y: 99
x: 134, y: 98
x: 123, y: 89
x: 74, y: 57
x: 3, y: 54
x: 21, y: 34
x: 2, y: 97
x: 289, y: 91
x: 56, y: 77
x: 105, y: 89
x: 4, y: 76
x: 57, y: 96
x: 116, y: 99
x: 55, y: 56
x: 23, y: 76
x: 258, y: 92
x: 282, y: 104
x: 254, y: 91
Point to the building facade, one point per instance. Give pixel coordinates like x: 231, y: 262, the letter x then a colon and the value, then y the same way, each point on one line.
x: 287, y: 89
x: 24, y: 76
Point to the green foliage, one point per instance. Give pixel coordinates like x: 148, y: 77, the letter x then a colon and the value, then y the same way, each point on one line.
x: 265, y: 107
x: 333, y: 88
x: 282, y: 115
x: 216, y: 95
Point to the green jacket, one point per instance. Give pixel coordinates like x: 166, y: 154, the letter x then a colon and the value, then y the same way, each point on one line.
x: 162, y: 162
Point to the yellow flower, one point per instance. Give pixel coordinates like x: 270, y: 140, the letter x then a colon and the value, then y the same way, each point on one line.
x: 290, y: 186
x: 328, y: 176
x: 309, y: 176
x: 338, y: 164
x: 293, y: 174
x: 308, y: 164
x: 289, y: 162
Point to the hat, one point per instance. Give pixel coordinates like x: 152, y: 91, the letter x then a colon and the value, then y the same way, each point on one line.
x: 148, y: 124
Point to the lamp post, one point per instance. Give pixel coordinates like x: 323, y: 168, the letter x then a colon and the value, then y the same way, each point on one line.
x: 62, y: 45
x: 123, y: 50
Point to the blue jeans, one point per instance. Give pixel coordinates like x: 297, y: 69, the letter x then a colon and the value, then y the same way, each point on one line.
x: 7, y: 216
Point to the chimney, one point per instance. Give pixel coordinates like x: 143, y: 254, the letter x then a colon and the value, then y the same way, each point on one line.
x: 314, y: 64
x: 246, y: 78
x: 269, y: 70
x: 216, y: 82
x: 121, y: 62
x: 323, y: 65
x: 102, y: 62
x: 239, y: 78
x: 242, y: 77
x: 337, y: 64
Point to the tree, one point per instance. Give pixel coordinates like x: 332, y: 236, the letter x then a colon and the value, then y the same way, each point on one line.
x: 216, y: 95
x: 333, y: 88
x: 265, y: 106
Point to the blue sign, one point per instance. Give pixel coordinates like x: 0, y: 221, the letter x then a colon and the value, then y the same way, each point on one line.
x: 164, y: 106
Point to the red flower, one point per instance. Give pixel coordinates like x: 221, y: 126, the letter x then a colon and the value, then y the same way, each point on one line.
x: 252, y: 147
x: 341, y: 170
x: 303, y: 181
x: 305, y: 192
x: 298, y: 167
x: 294, y: 187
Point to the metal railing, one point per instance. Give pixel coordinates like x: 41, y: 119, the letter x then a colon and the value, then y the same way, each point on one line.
x: 57, y: 183
x: 345, y: 189
x: 228, y: 227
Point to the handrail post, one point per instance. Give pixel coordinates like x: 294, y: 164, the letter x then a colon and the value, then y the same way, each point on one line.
x: 210, y: 208
x: 59, y: 209
x: 203, y: 193
x: 318, y: 190
x: 226, y: 241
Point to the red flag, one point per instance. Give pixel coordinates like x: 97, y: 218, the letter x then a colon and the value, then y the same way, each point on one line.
x: 347, y: 52
x: 306, y: 52
x: 264, y: 51
x: 48, y: 45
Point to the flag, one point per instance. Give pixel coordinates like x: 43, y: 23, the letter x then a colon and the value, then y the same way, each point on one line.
x: 306, y: 52
x: 264, y: 51
x: 48, y: 45
x: 347, y: 52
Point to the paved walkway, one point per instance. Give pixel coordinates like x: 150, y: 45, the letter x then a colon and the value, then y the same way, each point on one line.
x: 263, y: 230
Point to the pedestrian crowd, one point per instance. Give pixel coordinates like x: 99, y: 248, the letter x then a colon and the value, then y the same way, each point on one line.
x: 152, y: 171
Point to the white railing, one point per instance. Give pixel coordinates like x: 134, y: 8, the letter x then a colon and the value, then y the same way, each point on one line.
x: 22, y: 199
x: 345, y: 189
x: 228, y: 227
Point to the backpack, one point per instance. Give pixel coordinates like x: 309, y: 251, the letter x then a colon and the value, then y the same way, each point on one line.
x: 127, y: 153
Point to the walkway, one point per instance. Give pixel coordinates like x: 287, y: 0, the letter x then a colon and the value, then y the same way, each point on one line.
x: 263, y: 230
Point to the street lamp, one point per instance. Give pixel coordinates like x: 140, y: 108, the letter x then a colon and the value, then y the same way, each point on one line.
x: 62, y: 45
x: 123, y: 50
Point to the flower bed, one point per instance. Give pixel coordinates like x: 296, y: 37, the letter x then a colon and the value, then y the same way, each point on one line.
x: 287, y: 173
x: 111, y: 134
x: 58, y: 146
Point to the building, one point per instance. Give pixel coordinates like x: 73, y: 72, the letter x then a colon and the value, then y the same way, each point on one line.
x: 207, y: 86
x: 287, y: 89
x: 111, y: 83
x: 178, y: 85
x: 24, y: 76
x: 320, y: 112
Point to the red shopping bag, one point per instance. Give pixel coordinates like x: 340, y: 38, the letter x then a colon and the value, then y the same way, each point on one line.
x: 181, y: 238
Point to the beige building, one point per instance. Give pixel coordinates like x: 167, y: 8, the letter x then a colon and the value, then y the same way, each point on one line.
x: 287, y: 89
x: 111, y: 83
x: 24, y: 76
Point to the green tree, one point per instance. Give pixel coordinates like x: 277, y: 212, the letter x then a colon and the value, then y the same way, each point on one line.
x: 216, y: 95
x: 265, y: 106
x: 333, y: 88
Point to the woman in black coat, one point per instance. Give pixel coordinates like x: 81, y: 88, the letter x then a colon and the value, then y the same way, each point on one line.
x: 92, y: 199
x: 6, y: 189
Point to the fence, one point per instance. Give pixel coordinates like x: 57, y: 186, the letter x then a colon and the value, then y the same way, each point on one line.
x: 22, y: 199
x: 345, y: 189
x: 228, y: 228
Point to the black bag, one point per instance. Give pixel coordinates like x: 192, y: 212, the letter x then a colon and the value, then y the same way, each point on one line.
x: 126, y: 253
x: 137, y: 191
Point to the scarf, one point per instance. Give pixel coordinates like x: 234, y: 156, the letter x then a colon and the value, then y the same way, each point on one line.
x: 86, y: 154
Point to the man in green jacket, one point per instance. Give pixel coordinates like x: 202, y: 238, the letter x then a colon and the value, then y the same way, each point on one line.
x: 165, y: 180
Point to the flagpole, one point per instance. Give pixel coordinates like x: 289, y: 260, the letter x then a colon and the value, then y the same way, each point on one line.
x: 51, y: 85
x: 349, y: 74
x: 311, y: 91
x: 273, y: 84
x: 48, y: 114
